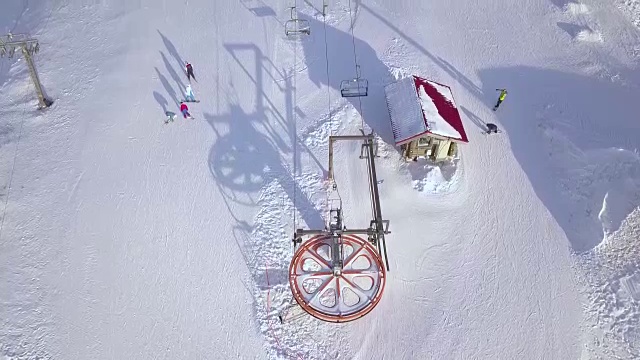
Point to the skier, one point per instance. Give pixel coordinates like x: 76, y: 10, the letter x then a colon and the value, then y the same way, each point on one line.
x: 491, y: 128
x: 185, y: 110
x: 189, y: 71
x: 170, y: 116
x: 503, y: 95
x: 189, y: 97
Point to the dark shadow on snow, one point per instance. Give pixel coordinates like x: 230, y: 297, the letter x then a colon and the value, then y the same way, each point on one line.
x: 576, y: 139
x: 248, y: 155
x: 168, y: 88
x: 176, y: 78
x: 572, y: 29
x: 172, y: 50
x: 342, y: 67
x: 176, y: 96
x: 474, y: 118
x: 560, y: 3
x: 161, y: 100
x: 442, y: 63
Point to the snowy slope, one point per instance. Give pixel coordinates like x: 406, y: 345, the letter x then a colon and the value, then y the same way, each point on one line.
x: 123, y: 237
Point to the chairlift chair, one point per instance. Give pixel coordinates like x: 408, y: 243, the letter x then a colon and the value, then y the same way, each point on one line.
x: 296, y: 26
x: 355, y: 87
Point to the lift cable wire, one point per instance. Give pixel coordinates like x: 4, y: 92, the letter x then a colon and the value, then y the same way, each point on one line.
x: 355, y: 61
x: 334, y: 185
x: 295, y: 131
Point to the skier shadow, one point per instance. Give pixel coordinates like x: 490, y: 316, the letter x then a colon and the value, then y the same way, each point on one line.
x: 161, y: 100
x: 575, y: 138
x: 168, y: 88
x: 174, y: 74
x: 171, y: 49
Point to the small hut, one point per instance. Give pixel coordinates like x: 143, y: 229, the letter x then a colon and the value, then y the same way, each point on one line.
x: 424, y: 119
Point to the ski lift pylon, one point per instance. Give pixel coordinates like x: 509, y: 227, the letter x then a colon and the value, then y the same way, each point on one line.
x: 296, y: 26
x: 356, y: 87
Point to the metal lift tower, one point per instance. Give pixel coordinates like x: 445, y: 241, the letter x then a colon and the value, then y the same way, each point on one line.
x: 338, y: 275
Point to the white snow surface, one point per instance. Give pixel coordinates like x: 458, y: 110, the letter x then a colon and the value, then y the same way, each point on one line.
x: 125, y: 238
x: 436, y: 123
x: 404, y: 109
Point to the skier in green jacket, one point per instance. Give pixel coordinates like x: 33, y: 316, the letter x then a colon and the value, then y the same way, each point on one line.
x: 503, y: 95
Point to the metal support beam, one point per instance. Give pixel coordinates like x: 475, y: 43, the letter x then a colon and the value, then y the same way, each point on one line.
x: 307, y: 232
x: 334, y: 138
x: 373, y: 183
x: 28, y: 46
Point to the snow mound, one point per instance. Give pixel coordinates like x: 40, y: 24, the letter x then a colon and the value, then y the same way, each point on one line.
x: 612, y: 275
x: 576, y: 8
x: 589, y: 35
x: 600, y: 186
x: 430, y: 178
x: 632, y: 9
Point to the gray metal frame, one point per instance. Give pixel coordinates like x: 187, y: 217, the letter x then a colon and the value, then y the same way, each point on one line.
x: 378, y: 227
x: 296, y: 26
x: 356, y: 87
x: 29, y: 47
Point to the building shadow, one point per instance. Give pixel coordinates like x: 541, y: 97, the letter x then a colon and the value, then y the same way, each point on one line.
x: 340, y: 54
x: 373, y: 107
x: 576, y: 138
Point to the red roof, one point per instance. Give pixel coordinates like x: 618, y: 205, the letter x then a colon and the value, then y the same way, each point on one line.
x: 431, y: 109
x: 446, y: 106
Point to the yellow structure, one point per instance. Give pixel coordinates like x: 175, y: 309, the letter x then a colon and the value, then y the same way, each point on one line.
x: 430, y: 147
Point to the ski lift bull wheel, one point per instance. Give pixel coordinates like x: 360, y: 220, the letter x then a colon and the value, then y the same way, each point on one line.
x: 337, y: 296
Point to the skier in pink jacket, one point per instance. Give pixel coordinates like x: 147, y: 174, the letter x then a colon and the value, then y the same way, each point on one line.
x: 185, y: 110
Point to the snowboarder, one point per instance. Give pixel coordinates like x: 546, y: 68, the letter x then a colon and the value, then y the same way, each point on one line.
x: 189, y: 97
x: 491, y: 128
x: 503, y: 95
x: 185, y: 110
x: 189, y: 71
x: 170, y: 116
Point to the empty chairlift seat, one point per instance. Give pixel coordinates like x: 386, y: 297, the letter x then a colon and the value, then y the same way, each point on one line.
x: 295, y: 26
x: 354, y: 88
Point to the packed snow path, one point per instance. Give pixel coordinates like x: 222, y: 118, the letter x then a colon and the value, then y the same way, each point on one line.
x: 123, y: 237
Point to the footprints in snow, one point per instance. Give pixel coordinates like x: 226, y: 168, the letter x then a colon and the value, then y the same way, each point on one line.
x: 580, y: 25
